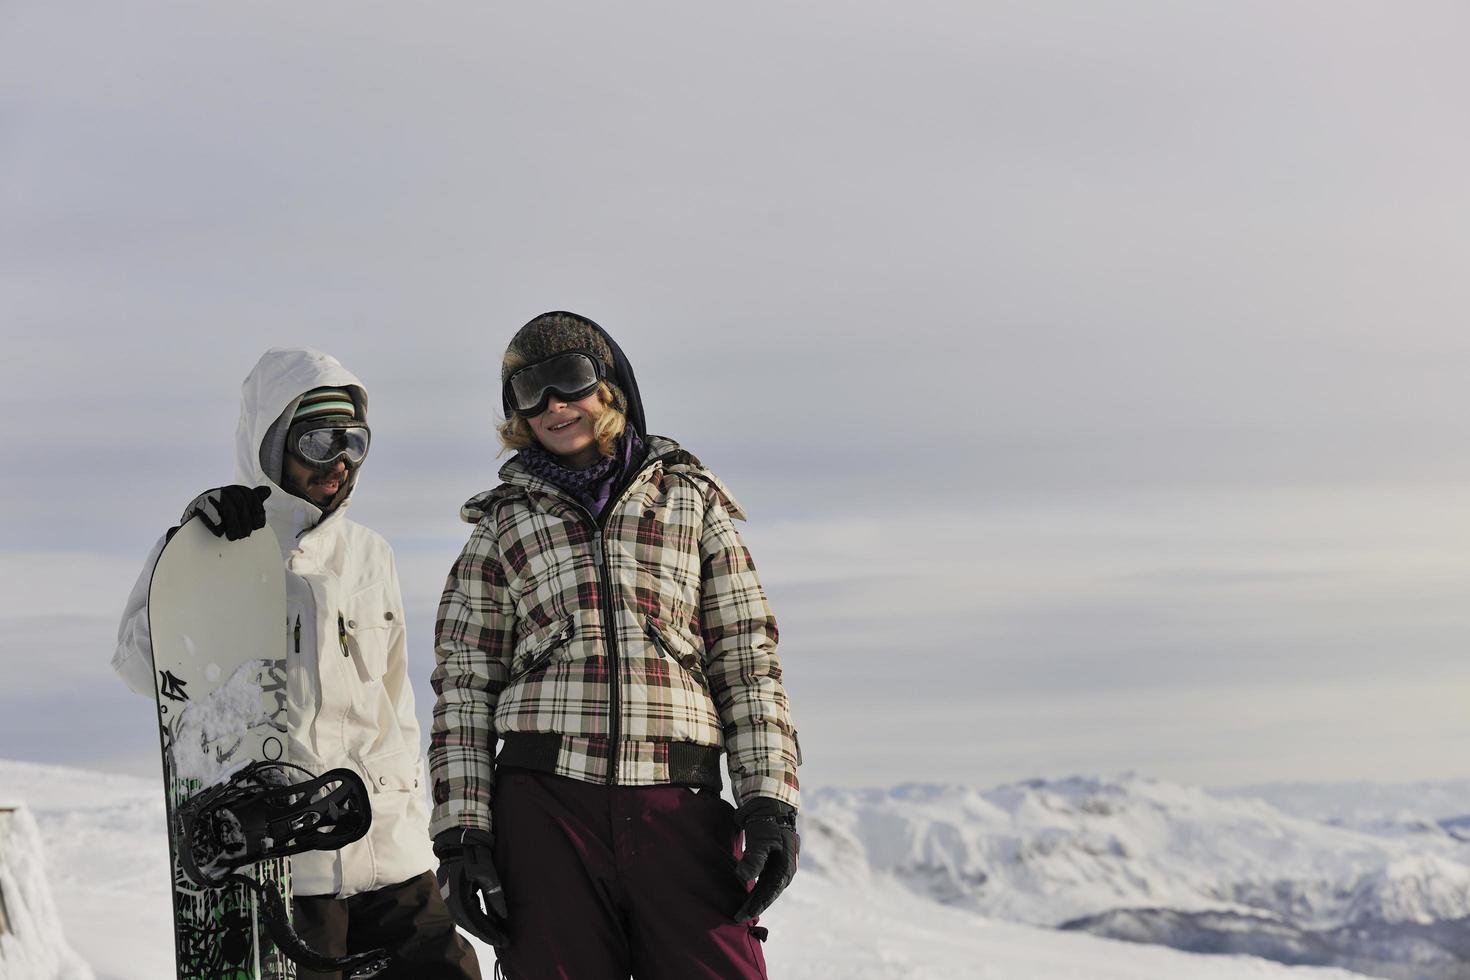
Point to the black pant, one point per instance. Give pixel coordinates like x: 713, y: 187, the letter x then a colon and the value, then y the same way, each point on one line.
x: 409, y: 919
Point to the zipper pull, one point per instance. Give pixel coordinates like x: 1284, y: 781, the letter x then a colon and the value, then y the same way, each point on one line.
x: 342, y: 635
x: 298, y: 632
x: 597, y: 547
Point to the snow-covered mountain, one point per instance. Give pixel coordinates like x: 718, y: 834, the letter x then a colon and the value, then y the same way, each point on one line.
x: 1146, y: 860
x: 918, y: 882
x: 1390, y: 807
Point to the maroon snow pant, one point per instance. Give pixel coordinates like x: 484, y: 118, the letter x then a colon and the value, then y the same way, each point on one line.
x: 604, y: 882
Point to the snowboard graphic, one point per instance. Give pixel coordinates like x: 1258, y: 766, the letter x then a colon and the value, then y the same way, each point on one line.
x: 216, y: 611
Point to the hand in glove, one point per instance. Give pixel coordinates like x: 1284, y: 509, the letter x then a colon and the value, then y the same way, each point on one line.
x: 467, y: 878
x: 771, y: 849
x: 240, y: 510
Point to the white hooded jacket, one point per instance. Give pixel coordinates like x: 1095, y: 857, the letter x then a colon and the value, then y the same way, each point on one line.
x: 350, y: 702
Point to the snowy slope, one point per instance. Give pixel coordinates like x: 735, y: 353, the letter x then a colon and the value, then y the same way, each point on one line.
x: 104, y: 835
x: 108, y: 857
x: 825, y: 930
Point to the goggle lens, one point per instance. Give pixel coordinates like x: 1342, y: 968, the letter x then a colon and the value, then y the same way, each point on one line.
x: 327, y: 445
x: 572, y: 376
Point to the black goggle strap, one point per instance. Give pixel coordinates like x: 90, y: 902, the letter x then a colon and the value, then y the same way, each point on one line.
x: 573, y: 374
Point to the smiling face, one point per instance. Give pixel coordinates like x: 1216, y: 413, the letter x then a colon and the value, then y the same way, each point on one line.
x: 318, y: 486
x: 565, y: 430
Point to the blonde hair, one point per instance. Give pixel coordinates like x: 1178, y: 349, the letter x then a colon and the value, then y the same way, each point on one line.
x: 515, y: 432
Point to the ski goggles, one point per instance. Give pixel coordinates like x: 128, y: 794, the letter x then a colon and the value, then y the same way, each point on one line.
x: 322, y: 442
x: 570, y: 376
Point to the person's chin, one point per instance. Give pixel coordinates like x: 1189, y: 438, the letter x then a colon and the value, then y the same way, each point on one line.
x: 572, y: 446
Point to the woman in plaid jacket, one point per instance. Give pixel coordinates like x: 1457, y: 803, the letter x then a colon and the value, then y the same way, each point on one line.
x: 605, y: 624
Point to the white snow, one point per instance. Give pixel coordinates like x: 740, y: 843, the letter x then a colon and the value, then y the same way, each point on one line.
x: 33, y: 943
x: 109, y: 871
x: 822, y: 929
x: 1048, y: 852
x: 1420, y: 888
x: 215, y: 722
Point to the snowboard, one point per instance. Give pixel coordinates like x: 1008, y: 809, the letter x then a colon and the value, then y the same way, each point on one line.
x: 216, y: 612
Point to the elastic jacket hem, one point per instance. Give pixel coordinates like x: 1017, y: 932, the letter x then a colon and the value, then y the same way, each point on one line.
x: 689, y: 764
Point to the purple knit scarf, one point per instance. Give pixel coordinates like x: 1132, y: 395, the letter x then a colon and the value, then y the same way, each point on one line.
x: 592, y: 486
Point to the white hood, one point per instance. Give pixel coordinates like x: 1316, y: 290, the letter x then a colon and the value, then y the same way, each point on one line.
x: 272, y: 389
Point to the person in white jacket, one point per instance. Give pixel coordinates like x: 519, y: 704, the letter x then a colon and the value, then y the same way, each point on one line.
x: 300, y: 444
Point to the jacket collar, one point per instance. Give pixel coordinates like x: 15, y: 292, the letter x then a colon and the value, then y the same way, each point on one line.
x: 293, y: 519
x: 515, y: 473
x: 518, y: 481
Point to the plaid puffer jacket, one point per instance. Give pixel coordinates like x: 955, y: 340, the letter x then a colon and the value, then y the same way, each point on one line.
x: 545, y: 607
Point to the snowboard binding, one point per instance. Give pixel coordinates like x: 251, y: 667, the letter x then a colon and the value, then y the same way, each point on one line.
x: 260, y: 813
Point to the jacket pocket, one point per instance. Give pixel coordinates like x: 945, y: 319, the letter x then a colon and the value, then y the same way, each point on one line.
x: 675, y: 646
x: 396, y: 771
x: 365, y: 631
x: 537, y: 649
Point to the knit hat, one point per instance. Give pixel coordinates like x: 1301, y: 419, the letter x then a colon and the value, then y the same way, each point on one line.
x: 554, y: 333
x: 325, y: 403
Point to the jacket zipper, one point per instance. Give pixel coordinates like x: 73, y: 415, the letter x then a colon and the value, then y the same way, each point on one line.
x: 342, y: 636
x: 614, y: 661
x: 604, y: 597
x: 658, y: 641
x: 664, y: 648
x: 544, y: 655
x: 298, y: 632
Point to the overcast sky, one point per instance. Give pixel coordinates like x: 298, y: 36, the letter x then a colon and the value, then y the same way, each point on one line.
x: 1094, y: 374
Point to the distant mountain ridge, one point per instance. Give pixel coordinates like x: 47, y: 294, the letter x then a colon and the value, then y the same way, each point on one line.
x: 1370, y: 881
x: 1355, y: 803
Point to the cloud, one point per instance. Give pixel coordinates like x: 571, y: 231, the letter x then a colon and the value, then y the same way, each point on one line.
x: 1052, y: 351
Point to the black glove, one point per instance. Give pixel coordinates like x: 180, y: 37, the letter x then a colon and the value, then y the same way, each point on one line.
x: 466, y: 878
x: 240, y: 509
x: 771, y: 850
